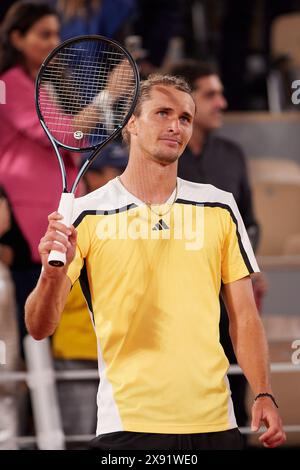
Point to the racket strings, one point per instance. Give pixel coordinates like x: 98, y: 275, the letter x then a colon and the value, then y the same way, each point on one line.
x: 85, y: 93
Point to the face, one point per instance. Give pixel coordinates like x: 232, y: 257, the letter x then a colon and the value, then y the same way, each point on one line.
x: 210, y: 102
x: 38, y: 41
x: 164, y: 126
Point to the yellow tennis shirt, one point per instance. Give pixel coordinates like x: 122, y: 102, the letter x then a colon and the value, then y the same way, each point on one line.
x: 152, y: 281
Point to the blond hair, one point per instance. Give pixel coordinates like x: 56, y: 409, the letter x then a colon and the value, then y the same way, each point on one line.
x: 179, y: 83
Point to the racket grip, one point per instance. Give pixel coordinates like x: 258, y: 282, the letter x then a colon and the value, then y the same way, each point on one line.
x: 65, y: 208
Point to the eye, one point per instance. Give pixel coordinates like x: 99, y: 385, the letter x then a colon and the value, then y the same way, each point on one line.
x: 185, y: 119
x: 45, y: 34
x: 162, y: 113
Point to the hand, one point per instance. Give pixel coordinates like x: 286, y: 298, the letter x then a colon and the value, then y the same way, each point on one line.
x: 57, y: 237
x: 264, y: 410
x: 121, y: 74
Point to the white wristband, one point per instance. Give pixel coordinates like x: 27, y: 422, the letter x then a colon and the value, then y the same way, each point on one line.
x: 104, y: 102
x: 103, y: 99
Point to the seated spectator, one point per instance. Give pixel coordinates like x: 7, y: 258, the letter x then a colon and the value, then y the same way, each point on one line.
x: 209, y: 158
x: 28, y: 168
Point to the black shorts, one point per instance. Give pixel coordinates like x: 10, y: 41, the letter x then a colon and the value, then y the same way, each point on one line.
x: 126, y: 440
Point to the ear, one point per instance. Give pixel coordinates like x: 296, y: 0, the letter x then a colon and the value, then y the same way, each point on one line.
x: 16, y: 39
x: 132, y: 125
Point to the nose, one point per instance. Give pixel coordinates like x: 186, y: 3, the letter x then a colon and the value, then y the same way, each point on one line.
x: 174, y: 126
x: 55, y: 40
x: 222, y: 102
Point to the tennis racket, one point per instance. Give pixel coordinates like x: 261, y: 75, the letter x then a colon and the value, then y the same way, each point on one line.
x: 85, y: 93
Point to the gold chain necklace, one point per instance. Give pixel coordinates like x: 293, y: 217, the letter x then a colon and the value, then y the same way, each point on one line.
x: 149, y: 205
x: 170, y: 205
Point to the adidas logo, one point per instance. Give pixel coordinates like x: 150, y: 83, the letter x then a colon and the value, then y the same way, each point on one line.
x: 161, y: 225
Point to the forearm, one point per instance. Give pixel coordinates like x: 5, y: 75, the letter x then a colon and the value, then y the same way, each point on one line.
x: 45, y: 304
x: 251, y: 349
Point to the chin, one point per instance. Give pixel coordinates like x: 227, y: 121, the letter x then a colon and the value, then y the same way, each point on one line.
x: 166, y: 159
x: 217, y: 123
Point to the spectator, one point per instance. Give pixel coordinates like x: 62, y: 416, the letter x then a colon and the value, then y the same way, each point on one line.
x: 110, y: 164
x: 218, y: 161
x: 28, y: 167
x: 93, y: 17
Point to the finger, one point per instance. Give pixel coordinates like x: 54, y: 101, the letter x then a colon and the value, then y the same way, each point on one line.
x: 49, y: 245
x: 280, y: 433
x: 59, y: 247
x: 73, y: 236
x: 58, y: 237
x: 272, y: 438
x: 53, y: 237
x: 57, y: 226
x: 273, y: 429
x: 275, y: 443
x: 256, y: 418
x: 54, y: 216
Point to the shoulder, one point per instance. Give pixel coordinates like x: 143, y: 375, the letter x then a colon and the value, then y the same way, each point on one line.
x: 14, y: 73
x: 199, y: 193
x: 18, y: 86
x: 103, y: 200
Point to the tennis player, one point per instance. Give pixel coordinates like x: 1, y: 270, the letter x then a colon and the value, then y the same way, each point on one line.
x: 152, y: 253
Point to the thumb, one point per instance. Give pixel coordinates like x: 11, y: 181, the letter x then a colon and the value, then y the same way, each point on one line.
x: 256, y: 418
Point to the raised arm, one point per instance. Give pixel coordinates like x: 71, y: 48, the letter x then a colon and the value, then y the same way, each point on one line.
x: 101, y: 108
x: 251, y: 349
x: 45, y: 304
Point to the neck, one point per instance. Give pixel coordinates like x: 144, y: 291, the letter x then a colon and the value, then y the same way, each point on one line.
x: 197, y: 140
x: 31, y: 70
x: 33, y: 73
x: 149, y: 180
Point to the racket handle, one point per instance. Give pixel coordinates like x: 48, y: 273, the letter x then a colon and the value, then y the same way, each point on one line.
x: 65, y: 208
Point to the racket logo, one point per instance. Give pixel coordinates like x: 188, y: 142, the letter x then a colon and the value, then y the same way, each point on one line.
x: 78, y: 135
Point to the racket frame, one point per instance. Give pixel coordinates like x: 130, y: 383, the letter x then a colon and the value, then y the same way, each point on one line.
x: 94, y: 148
x: 57, y: 258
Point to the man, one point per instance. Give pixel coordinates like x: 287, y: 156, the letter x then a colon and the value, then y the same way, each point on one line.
x: 209, y: 158
x: 141, y: 261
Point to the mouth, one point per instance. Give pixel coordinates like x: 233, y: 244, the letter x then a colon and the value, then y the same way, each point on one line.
x: 218, y: 113
x: 170, y: 141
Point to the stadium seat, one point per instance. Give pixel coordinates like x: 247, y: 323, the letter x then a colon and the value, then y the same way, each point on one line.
x: 277, y: 210
x: 274, y: 169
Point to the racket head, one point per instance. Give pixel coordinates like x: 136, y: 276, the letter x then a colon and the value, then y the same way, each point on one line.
x: 86, y: 90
